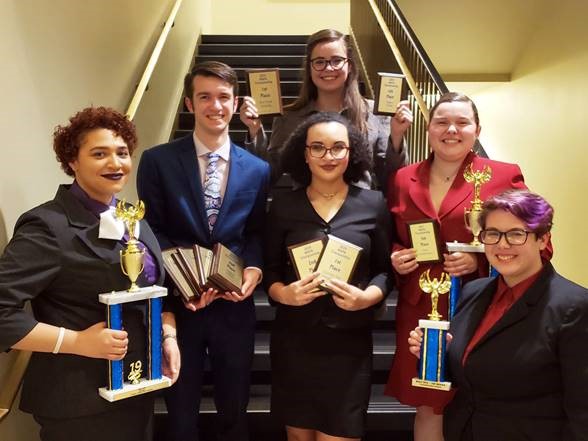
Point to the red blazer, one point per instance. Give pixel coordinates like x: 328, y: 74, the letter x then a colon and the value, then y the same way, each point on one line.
x: 409, y: 200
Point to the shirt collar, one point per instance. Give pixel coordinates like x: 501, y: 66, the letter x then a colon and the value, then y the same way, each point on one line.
x: 517, y: 291
x: 92, y: 205
x: 224, y: 151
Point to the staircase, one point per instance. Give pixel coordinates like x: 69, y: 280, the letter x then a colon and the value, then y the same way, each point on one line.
x: 387, y: 419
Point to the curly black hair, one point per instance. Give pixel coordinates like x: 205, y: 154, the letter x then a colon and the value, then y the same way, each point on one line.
x: 293, y: 160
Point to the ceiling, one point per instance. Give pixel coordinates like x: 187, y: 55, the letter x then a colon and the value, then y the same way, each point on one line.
x: 475, y: 39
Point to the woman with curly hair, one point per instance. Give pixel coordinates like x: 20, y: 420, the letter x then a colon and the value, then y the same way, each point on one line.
x: 330, y: 84
x: 59, y: 260
x: 321, y: 344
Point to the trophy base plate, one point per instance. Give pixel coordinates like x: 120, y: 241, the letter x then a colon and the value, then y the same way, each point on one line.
x: 131, y: 390
x: 437, y: 385
x: 460, y: 247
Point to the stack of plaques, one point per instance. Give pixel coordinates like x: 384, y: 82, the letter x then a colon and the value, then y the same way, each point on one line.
x: 332, y: 257
x: 194, y: 270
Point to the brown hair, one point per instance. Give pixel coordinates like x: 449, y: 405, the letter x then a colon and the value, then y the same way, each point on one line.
x: 211, y: 69
x: 352, y: 100
x: 452, y: 97
x: 67, y: 139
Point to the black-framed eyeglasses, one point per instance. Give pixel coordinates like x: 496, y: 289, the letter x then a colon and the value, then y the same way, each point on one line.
x: 512, y: 237
x: 336, y: 63
x: 318, y: 150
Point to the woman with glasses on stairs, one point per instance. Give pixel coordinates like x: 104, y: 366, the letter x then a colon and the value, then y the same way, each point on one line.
x: 321, y: 343
x: 518, y: 356
x: 62, y: 255
x: 330, y: 84
x: 435, y: 189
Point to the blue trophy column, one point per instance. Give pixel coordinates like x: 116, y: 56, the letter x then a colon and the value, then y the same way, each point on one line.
x: 114, y: 313
x: 155, y: 338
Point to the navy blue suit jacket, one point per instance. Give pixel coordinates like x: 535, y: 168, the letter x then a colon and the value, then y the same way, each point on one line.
x: 168, y: 181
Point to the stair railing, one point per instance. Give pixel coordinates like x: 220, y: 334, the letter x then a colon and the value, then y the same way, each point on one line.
x: 385, y: 42
x: 11, y: 382
x: 153, y: 59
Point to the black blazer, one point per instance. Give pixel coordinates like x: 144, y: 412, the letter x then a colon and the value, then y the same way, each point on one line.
x: 363, y: 220
x: 56, y: 261
x: 527, y: 378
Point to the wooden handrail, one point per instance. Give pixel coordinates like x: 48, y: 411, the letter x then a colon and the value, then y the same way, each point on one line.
x: 146, y: 77
x: 11, y: 382
x: 400, y: 60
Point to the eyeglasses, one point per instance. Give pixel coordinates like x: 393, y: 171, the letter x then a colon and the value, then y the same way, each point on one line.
x: 512, y: 237
x: 318, y: 150
x: 336, y: 63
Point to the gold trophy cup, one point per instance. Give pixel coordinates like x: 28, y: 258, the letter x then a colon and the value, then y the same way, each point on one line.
x: 472, y: 215
x: 131, y: 258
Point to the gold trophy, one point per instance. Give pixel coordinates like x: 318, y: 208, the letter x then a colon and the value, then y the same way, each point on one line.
x: 472, y: 215
x: 142, y: 377
x: 131, y: 258
x: 431, y: 371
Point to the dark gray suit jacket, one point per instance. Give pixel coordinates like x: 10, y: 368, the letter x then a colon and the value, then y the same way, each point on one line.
x: 56, y: 261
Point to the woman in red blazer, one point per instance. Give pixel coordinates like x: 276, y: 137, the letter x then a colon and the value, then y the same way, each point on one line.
x: 436, y: 189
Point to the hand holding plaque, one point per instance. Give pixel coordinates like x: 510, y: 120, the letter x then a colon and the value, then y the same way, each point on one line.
x: 264, y: 87
x: 390, y: 91
x: 338, y: 260
x: 424, y: 238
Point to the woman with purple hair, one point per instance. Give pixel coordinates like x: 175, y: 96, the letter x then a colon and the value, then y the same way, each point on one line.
x: 518, y: 355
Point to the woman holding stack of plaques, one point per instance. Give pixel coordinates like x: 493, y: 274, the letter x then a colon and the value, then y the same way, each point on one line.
x: 330, y: 84
x: 321, y: 342
x: 435, y: 193
x: 517, y: 357
x: 62, y: 255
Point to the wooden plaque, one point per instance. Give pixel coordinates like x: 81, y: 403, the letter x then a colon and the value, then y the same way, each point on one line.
x: 337, y: 261
x: 389, y: 92
x: 424, y: 238
x: 304, y: 256
x: 226, y: 273
x: 263, y: 86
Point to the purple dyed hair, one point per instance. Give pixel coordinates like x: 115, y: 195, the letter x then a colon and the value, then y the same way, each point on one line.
x: 532, y: 209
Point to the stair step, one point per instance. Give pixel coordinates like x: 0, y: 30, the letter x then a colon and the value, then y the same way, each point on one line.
x: 262, y: 39
x: 251, y: 49
x: 255, y: 61
x: 259, y: 402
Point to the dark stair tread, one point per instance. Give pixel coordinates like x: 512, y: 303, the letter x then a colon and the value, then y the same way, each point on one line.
x: 251, y: 49
x: 262, y: 39
x: 259, y: 400
x: 254, y: 61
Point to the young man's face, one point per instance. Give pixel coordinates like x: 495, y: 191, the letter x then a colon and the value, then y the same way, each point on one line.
x: 213, y: 104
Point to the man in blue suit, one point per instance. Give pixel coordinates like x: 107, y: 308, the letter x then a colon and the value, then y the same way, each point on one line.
x: 203, y: 189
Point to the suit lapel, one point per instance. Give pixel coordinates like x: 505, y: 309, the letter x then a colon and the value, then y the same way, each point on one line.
x: 87, y: 226
x: 419, y: 189
x: 475, y: 315
x: 522, y: 307
x: 189, y: 164
x: 460, y: 190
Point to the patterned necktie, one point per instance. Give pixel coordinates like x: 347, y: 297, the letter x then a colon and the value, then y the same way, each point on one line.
x: 212, y: 185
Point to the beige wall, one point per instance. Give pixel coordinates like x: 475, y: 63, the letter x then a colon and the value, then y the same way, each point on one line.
x: 62, y: 55
x: 267, y: 16
x: 538, y: 120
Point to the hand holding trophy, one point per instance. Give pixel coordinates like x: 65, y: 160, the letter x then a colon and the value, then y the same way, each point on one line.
x: 431, y: 372
x: 131, y: 262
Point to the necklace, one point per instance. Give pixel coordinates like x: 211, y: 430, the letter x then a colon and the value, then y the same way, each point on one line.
x: 446, y: 178
x: 327, y: 196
